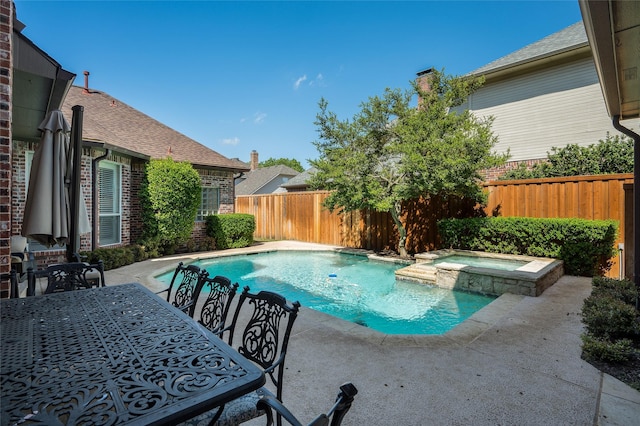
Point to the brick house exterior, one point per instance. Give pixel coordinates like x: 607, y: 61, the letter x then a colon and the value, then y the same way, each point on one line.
x: 115, y: 136
x: 6, y: 65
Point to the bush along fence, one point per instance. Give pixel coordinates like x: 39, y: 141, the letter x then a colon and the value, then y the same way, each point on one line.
x: 585, y: 246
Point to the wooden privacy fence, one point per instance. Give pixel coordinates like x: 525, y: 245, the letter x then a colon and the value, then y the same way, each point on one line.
x: 300, y: 215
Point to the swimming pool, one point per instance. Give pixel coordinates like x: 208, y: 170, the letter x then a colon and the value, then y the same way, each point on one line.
x: 350, y: 287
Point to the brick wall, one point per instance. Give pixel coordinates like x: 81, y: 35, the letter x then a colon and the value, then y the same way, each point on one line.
x: 135, y: 206
x: 19, y: 196
x: 494, y: 173
x: 6, y: 66
x: 224, y: 181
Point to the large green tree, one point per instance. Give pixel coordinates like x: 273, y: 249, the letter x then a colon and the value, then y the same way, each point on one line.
x: 171, y: 195
x: 390, y: 151
x: 291, y: 162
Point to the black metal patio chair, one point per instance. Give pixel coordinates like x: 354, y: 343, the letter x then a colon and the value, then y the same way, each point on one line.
x: 217, y: 292
x: 180, y: 292
x: 263, y: 340
x: 333, y: 417
x: 67, y: 277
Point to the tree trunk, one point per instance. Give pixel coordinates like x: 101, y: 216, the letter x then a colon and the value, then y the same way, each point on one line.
x: 395, y: 215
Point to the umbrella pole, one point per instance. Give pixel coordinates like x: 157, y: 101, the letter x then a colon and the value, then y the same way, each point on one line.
x: 73, y: 244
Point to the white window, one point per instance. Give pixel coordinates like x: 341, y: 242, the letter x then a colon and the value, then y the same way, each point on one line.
x: 110, y: 211
x: 210, y: 203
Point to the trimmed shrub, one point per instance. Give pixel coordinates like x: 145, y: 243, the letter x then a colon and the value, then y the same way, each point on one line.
x: 604, y: 350
x: 233, y: 230
x: 111, y: 257
x: 171, y: 195
x: 585, y: 246
x: 612, y: 322
x: 609, y: 318
x: 623, y: 290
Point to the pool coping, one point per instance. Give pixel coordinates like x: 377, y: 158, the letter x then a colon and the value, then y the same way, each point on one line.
x: 465, y: 332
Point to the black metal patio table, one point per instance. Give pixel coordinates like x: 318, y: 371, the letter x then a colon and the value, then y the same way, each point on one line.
x: 112, y: 355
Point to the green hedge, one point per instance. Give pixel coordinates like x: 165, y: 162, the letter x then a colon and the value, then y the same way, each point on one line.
x: 113, y: 257
x: 231, y: 230
x: 612, y: 323
x: 585, y: 246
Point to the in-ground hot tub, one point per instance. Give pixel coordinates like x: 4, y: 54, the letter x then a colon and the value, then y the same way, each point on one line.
x: 482, y: 272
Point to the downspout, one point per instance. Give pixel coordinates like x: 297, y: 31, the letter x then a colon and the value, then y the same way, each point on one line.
x: 636, y: 201
x: 96, y: 196
x: 234, y: 188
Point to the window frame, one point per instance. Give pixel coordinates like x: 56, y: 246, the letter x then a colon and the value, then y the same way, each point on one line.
x: 117, y: 168
x: 204, y: 210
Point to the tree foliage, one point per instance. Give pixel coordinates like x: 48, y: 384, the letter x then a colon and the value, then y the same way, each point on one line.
x: 290, y: 162
x: 171, y: 197
x: 612, y: 155
x: 391, y: 152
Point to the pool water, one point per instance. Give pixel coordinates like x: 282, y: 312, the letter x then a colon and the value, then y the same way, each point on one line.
x: 484, y: 262
x: 350, y: 287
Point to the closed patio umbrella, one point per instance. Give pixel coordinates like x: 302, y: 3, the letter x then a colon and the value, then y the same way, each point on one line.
x: 47, y: 215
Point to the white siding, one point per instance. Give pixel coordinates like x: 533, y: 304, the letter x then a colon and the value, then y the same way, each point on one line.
x: 551, y: 107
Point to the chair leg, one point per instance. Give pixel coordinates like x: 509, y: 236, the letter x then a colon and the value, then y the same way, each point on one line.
x: 217, y: 416
x: 31, y: 283
x: 15, y: 290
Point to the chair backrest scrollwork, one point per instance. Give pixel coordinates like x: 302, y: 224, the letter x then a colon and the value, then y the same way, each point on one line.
x: 217, y: 294
x: 265, y: 336
x: 183, y: 285
x: 67, y: 277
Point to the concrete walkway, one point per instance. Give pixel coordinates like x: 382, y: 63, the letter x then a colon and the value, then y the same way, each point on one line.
x: 516, y: 362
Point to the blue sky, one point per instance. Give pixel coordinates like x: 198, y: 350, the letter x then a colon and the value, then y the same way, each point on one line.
x: 238, y: 76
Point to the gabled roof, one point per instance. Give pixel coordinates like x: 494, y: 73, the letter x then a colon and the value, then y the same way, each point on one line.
x: 260, y: 177
x: 568, y: 39
x: 110, y: 121
x: 299, y: 181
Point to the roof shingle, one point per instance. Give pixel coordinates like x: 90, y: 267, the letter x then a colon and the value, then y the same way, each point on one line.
x: 108, y: 120
x: 570, y: 37
x: 256, y: 179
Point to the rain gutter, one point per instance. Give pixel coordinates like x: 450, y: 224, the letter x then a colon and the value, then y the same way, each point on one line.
x: 636, y: 200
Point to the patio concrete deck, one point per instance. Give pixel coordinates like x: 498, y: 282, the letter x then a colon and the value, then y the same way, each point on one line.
x: 516, y: 362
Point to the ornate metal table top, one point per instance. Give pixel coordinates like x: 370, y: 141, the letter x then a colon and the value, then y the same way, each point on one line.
x: 112, y: 355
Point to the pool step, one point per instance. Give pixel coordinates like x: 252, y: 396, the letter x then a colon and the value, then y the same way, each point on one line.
x: 418, y: 271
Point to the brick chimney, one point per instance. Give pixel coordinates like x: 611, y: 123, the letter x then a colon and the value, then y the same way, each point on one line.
x: 254, y: 160
x: 424, y: 81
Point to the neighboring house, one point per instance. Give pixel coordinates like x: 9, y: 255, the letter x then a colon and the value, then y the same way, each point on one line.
x: 263, y: 180
x: 118, y: 142
x: 544, y: 95
x: 299, y: 183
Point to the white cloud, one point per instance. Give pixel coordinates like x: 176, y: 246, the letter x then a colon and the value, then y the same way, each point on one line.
x: 259, y: 117
x: 299, y: 81
x: 231, y: 141
x: 317, y: 81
